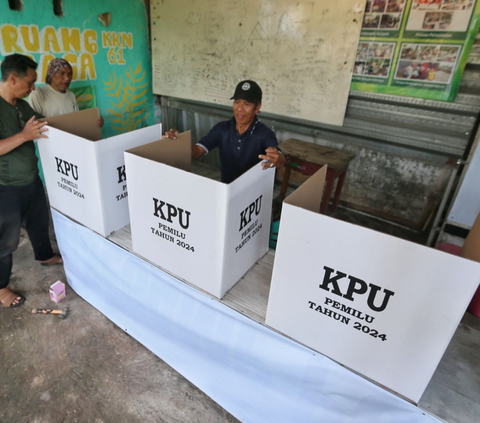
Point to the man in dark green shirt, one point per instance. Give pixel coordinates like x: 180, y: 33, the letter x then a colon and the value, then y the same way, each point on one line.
x: 22, y: 197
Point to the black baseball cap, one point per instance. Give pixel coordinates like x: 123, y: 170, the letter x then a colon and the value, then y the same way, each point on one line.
x: 248, y: 90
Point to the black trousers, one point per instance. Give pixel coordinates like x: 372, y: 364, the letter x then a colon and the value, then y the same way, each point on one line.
x: 27, y: 205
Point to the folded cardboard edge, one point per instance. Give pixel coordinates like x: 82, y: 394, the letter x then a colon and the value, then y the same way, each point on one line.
x: 175, y: 153
x: 471, y: 246
x: 82, y: 124
x: 309, y: 195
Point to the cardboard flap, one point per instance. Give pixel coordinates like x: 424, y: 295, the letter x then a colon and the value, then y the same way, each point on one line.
x: 83, y: 124
x: 176, y: 153
x: 471, y: 247
x: 309, y: 195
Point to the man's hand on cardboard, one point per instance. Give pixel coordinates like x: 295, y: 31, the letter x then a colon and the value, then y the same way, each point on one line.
x: 100, y: 122
x: 34, y: 129
x: 197, y: 150
x: 172, y: 134
x: 272, y: 157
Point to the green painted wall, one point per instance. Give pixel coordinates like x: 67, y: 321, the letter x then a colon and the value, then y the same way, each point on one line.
x: 115, y: 59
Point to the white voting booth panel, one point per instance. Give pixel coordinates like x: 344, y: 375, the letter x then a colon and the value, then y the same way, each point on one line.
x: 203, y: 231
x: 382, y: 306
x: 85, y: 174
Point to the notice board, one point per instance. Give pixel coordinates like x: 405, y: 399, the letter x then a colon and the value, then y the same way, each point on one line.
x: 300, y: 52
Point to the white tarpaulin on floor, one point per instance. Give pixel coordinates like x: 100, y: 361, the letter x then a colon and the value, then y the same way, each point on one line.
x: 253, y: 372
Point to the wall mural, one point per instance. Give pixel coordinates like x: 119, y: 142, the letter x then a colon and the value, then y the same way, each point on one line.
x: 128, y: 99
x: 112, y: 60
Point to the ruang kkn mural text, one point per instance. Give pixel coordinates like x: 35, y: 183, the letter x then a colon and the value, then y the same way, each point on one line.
x: 90, y: 53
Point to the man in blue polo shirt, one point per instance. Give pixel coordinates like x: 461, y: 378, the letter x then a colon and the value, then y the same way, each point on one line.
x: 242, y: 140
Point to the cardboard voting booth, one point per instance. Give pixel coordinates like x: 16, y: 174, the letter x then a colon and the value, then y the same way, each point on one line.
x: 382, y: 306
x: 85, y: 174
x: 203, y: 231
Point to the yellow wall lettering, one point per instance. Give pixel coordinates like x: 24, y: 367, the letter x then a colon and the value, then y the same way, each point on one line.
x: 121, y: 60
x: 106, y: 39
x: 70, y: 39
x: 117, y: 39
x: 111, y: 56
x: 128, y: 40
x: 87, y: 67
x: 9, y: 40
x: 74, y: 45
x: 50, y: 40
x: 30, y: 38
x: 90, y: 40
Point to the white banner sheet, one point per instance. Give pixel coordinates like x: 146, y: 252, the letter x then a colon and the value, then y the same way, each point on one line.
x: 253, y: 372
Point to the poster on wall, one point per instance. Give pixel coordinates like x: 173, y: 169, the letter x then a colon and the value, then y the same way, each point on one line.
x: 85, y: 96
x: 382, y: 18
x: 450, y: 18
x: 415, y: 48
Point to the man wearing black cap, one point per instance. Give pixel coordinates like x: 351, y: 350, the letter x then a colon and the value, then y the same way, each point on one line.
x: 242, y: 140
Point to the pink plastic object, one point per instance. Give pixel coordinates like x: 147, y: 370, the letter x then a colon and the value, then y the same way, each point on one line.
x: 57, y: 292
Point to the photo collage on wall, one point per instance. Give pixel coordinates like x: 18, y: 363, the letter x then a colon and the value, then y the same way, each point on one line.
x: 431, y: 63
x: 416, y: 48
x: 440, y: 15
x: 374, y: 60
x: 383, y: 17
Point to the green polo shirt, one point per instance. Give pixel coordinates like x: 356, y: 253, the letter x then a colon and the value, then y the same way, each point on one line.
x: 19, y: 166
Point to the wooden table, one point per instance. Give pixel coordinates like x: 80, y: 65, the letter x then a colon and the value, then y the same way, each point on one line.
x: 307, y: 158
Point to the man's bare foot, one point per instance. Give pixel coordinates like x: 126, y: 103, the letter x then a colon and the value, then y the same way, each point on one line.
x: 10, y: 299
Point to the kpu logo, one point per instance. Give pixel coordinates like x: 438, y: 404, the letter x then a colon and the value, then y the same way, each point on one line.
x: 355, y: 288
x: 171, y: 212
x: 253, y: 208
x: 66, y: 168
